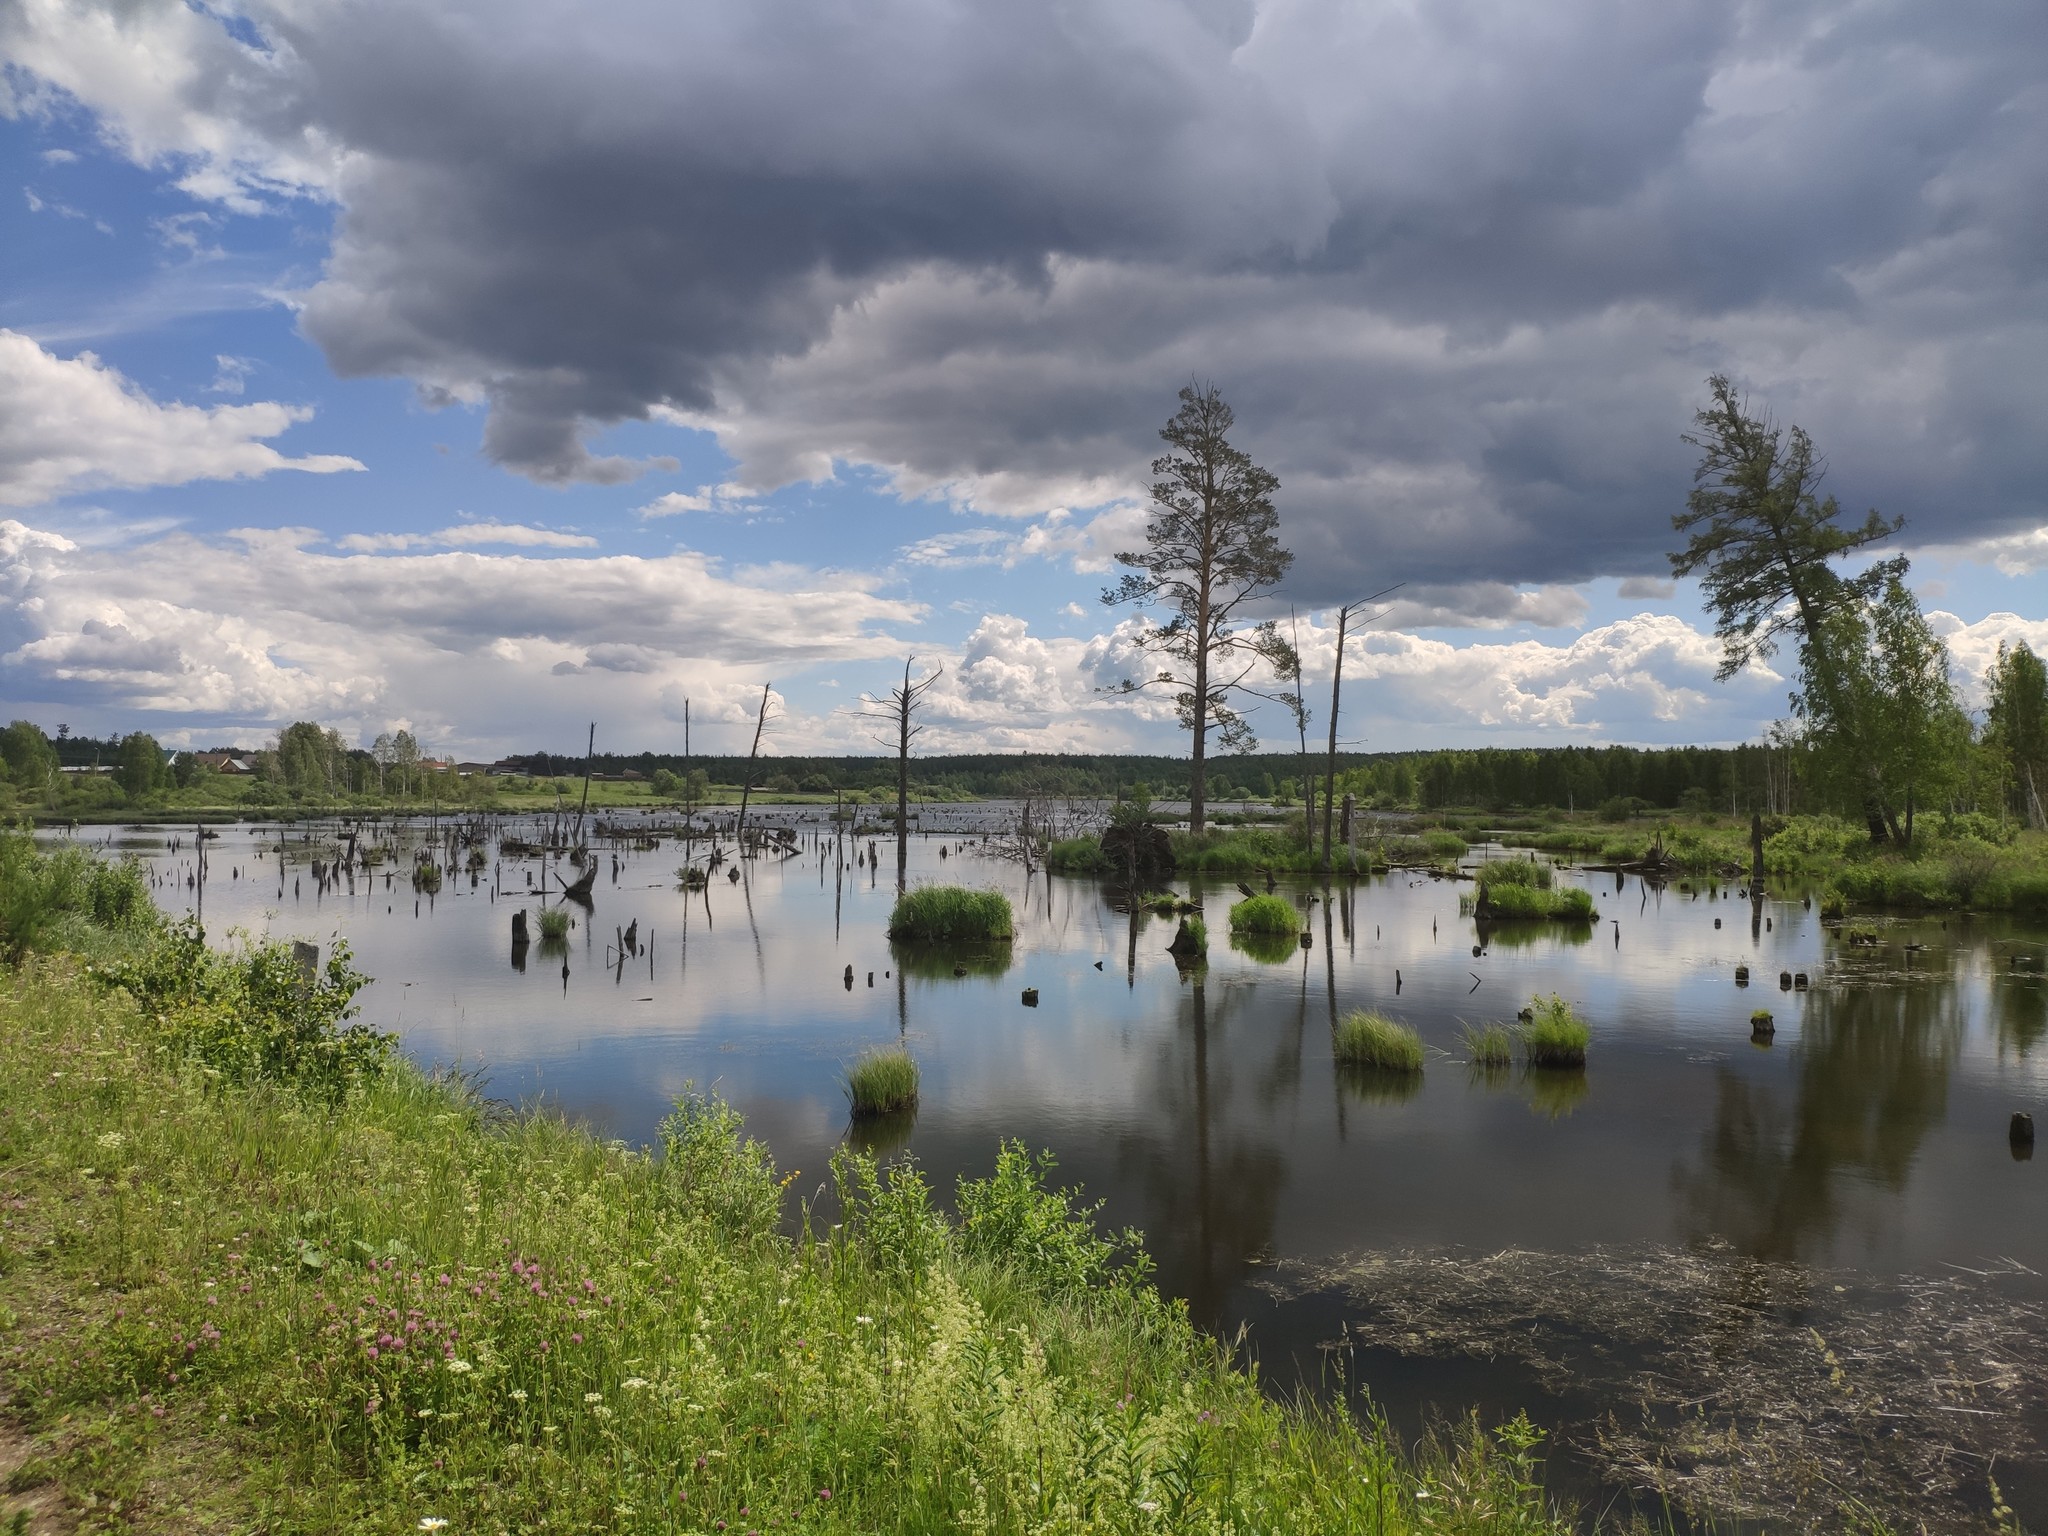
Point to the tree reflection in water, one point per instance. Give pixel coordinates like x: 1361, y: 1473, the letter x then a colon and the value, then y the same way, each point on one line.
x: 1778, y: 1180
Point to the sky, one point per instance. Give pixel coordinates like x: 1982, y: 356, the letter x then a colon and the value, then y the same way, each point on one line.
x: 491, y: 368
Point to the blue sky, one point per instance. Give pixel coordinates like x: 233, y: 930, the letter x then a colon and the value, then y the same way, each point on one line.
x: 387, y: 368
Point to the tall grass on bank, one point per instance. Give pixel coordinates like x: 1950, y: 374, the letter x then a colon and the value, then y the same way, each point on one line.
x: 396, y: 1309
x: 882, y: 1082
x: 1265, y: 914
x: 951, y: 914
x: 65, y: 897
x: 1367, y: 1039
x: 1554, y: 1036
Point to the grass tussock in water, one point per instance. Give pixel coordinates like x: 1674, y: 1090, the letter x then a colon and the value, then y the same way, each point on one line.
x: 1265, y: 914
x: 1554, y: 1036
x: 1524, y: 888
x: 1367, y: 1039
x: 554, y: 924
x: 281, y: 1276
x: 882, y: 1082
x: 951, y: 914
x: 1488, y: 1045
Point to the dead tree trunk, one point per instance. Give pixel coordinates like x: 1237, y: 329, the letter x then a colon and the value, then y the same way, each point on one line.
x: 747, y: 787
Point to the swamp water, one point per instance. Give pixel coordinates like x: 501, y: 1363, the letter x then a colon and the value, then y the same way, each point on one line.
x: 1746, y: 1277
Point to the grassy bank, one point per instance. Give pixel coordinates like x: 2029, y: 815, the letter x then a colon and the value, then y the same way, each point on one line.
x: 323, y: 1292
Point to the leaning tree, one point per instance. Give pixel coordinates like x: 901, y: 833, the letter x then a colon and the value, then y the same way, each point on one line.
x: 1211, y: 548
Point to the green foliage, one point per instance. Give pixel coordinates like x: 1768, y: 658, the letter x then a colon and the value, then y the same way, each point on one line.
x: 1076, y: 856
x: 1554, y: 1035
x: 951, y: 914
x: 1265, y: 914
x: 1530, y: 874
x: 1013, y: 1220
x: 30, y: 759
x: 554, y: 924
x: 1512, y: 889
x: 140, y: 768
x: 609, y: 1340
x: 251, y: 1014
x: 66, y: 897
x: 2016, y: 726
x: 1211, y: 546
x: 882, y: 1082
x: 1367, y: 1039
x: 1197, y: 931
x: 1267, y: 948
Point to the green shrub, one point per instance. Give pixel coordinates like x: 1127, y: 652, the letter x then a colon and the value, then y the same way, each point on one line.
x: 251, y: 1014
x: 1554, y: 1036
x: 1367, y: 1039
x: 1265, y: 914
x: 1012, y: 1219
x: 951, y: 914
x: 883, y: 1082
x: 68, y: 897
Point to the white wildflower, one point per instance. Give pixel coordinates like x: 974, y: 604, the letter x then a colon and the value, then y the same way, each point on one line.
x: 593, y: 1397
x: 519, y: 1394
x: 635, y: 1384
x: 460, y: 1367
x: 432, y: 1523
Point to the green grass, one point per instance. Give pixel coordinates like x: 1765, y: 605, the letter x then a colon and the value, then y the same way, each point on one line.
x: 1523, y: 888
x: 1488, y: 1045
x: 1076, y: 856
x: 882, y: 1082
x: 1265, y: 914
x: 1197, y: 935
x: 1529, y: 874
x: 951, y: 914
x: 1367, y: 1039
x: 299, y: 1301
x: 66, y: 897
x: 1554, y: 1036
x: 554, y: 924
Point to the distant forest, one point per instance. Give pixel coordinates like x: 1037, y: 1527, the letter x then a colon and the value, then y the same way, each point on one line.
x: 1583, y: 778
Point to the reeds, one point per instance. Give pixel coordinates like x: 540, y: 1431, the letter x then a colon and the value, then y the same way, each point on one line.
x: 882, y: 1082
x: 1488, y: 1045
x: 1554, y: 1036
x: 951, y: 914
x: 554, y: 924
x: 1367, y: 1039
x: 1265, y: 914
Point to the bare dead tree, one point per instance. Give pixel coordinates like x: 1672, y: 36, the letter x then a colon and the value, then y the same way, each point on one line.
x: 1336, y: 688
x: 898, y: 710
x: 747, y: 787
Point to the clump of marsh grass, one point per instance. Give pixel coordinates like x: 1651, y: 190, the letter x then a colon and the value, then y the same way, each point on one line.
x: 1554, y: 1036
x: 1513, y: 888
x: 883, y: 1082
x: 554, y: 925
x: 1367, y: 1039
x: 1488, y: 1045
x: 426, y: 877
x: 1265, y: 914
x: 951, y: 914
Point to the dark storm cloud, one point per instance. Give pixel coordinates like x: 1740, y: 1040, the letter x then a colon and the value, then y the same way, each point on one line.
x: 1461, y: 267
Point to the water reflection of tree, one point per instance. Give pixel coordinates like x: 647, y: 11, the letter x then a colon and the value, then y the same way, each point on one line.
x: 1871, y: 1082
x: 2019, y: 1010
x: 1211, y: 1176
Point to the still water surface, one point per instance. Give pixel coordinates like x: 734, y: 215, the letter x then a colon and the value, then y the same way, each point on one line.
x: 1868, y: 1138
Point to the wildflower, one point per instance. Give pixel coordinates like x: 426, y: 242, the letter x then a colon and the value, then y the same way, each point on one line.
x: 593, y: 1397
x: 865, y: 1321
x: 370, y: 1408
x: 432, y: 1523
x: 519, y: 1394
x: 109, y: 1140
x: 1150, y: 1506
x: 825, y: 1493
x: 635, y: 1383
x: 460, y: 1367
